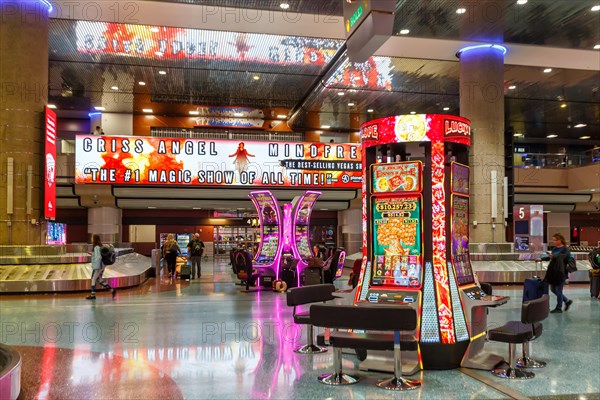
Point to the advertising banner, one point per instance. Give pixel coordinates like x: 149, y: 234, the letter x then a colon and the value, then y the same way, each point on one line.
x: 459, y: 178
x: 50, y: 166
x: 169, y: 43
x: 199, y: 162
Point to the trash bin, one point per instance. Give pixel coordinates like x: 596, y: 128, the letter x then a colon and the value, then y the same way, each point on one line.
x: 156, y: 256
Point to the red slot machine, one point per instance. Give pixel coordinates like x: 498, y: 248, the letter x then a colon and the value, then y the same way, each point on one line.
x: 409, y: 230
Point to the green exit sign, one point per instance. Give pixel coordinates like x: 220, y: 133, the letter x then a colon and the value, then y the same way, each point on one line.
x: 355, y: 17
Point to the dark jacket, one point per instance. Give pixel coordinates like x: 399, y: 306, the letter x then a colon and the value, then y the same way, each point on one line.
x: 556, y: 273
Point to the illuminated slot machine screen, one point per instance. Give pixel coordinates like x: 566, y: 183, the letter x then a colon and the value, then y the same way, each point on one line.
x: 397, y: 249
x: 464, y: 272
x: 56, y: 233
x: 302, y: 242
x: 269, y: 246
x: 460, y: 224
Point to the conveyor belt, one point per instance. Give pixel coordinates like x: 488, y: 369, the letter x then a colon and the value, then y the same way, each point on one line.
x: 130, y: 270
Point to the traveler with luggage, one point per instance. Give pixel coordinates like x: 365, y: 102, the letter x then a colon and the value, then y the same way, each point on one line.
x: 98, y: 268
x: 195, y: 250
x: 170, y: 252
x: 556, y: 275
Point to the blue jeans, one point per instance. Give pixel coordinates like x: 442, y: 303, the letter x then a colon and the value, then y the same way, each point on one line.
x: 560, y: 297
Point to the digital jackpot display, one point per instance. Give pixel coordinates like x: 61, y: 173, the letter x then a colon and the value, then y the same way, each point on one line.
x: 397, y: 177
x: 397, y: 241
x: 459, y: 178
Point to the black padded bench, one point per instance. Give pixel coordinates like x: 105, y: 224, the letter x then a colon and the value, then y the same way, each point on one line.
x: 398, y: 319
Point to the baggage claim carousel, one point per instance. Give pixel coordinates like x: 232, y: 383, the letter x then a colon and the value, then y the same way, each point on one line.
x: 26, y: 269
x: 30, y: 269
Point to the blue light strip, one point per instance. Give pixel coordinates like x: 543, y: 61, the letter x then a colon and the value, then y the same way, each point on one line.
x: 93, y: 114
x: 482, y: 46
x: 46, y: 2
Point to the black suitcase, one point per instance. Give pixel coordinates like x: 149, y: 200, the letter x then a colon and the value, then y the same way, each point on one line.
x: 312, y: 276
x: 594, y: 282
x: 185, y: 271
x: 534, y: 288
x: 289, y: 277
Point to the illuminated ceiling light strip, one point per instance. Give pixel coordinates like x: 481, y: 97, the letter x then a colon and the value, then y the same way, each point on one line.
x: 281, y: 116
x: 596, y: 7
x: 147, y: 110
x: 597, y: 47
x: 52, y: 106
x: 503, y: 49
x: 194, y: 112
x: 48, y: 4
x: 585, y: 137
x: 551, y: 136
x: 92, y: 114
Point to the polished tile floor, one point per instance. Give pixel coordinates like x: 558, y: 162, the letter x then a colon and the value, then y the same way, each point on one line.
x: 206, y: 340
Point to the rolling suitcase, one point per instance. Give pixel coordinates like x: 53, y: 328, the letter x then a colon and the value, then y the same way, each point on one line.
x: 185, y: 271
x: 534, y: 288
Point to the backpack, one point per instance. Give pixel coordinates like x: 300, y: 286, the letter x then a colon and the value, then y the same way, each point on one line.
x: 197, y: 250
x: 571, y: 265
x: 108, y: 255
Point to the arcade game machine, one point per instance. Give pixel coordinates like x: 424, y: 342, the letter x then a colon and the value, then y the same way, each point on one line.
x: 302, y: 207
x: 267, y: 258
x: 407, y: 228
x: 474, y: 301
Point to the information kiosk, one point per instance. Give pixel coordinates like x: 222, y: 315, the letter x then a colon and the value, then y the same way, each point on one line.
x: 412, y: 219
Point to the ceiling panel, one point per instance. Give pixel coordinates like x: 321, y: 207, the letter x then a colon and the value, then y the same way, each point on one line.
x: 321, y: 7
x: 563, y: 23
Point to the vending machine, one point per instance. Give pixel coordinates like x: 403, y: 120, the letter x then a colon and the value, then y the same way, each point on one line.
x: 411, y: 223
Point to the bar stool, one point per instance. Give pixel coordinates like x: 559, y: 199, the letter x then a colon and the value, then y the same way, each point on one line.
x: 306, y: 295
x: 513, y: 332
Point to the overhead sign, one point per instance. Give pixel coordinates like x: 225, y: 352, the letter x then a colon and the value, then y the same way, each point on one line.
x: 368, y: 24
x: 50, y: 166
x: 160, y: 161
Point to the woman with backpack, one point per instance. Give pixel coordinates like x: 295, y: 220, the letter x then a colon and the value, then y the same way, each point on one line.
x: 170, y: 252
x: 98, y: 269
x: 556, y: 275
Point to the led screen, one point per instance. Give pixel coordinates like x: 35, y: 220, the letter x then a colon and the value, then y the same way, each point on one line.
x: 397, y: 241
x: 56, y: 233
x: 151, y: 160
x: 464, y: 272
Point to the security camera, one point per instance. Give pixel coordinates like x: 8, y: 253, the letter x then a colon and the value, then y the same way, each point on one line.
x: 95, y: 199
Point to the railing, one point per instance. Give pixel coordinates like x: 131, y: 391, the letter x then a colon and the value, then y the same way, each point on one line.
x: 556, y: 160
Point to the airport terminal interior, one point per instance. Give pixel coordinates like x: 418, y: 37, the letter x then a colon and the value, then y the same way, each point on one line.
x: 298, y: 199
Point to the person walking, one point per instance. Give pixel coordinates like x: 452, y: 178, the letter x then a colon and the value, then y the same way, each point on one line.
x: 195, y: 250
x: 98, y: 269
x: 556, y: 275
x: 170, y: 252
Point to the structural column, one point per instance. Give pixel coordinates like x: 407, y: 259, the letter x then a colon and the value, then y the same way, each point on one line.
x: 106, y: 222
x: 482, y: 101
x: 23, y: 96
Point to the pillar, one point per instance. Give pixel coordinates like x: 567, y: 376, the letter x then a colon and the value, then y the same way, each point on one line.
x: 106, y: 222
x: 23, y: 96
x: 482, y: 101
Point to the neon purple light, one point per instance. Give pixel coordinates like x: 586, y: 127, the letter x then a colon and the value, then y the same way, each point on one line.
x: 287, y: 226
x: 272, y: 202
x: 300, y: 205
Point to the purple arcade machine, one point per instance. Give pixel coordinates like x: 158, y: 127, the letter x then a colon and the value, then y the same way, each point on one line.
x: 268, y: 256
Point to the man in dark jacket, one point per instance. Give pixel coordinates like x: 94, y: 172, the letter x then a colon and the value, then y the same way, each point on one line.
x: 195, y: 250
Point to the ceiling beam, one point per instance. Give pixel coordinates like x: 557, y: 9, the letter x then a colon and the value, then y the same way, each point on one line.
x: 518, y: 54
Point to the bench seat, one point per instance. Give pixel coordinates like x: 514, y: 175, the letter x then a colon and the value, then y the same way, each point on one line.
x: 368, y: 341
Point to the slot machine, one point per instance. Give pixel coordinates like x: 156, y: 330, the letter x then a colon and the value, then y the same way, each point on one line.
x: 408, y: 228
x: 268, y: 255
x: 299, y: 227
